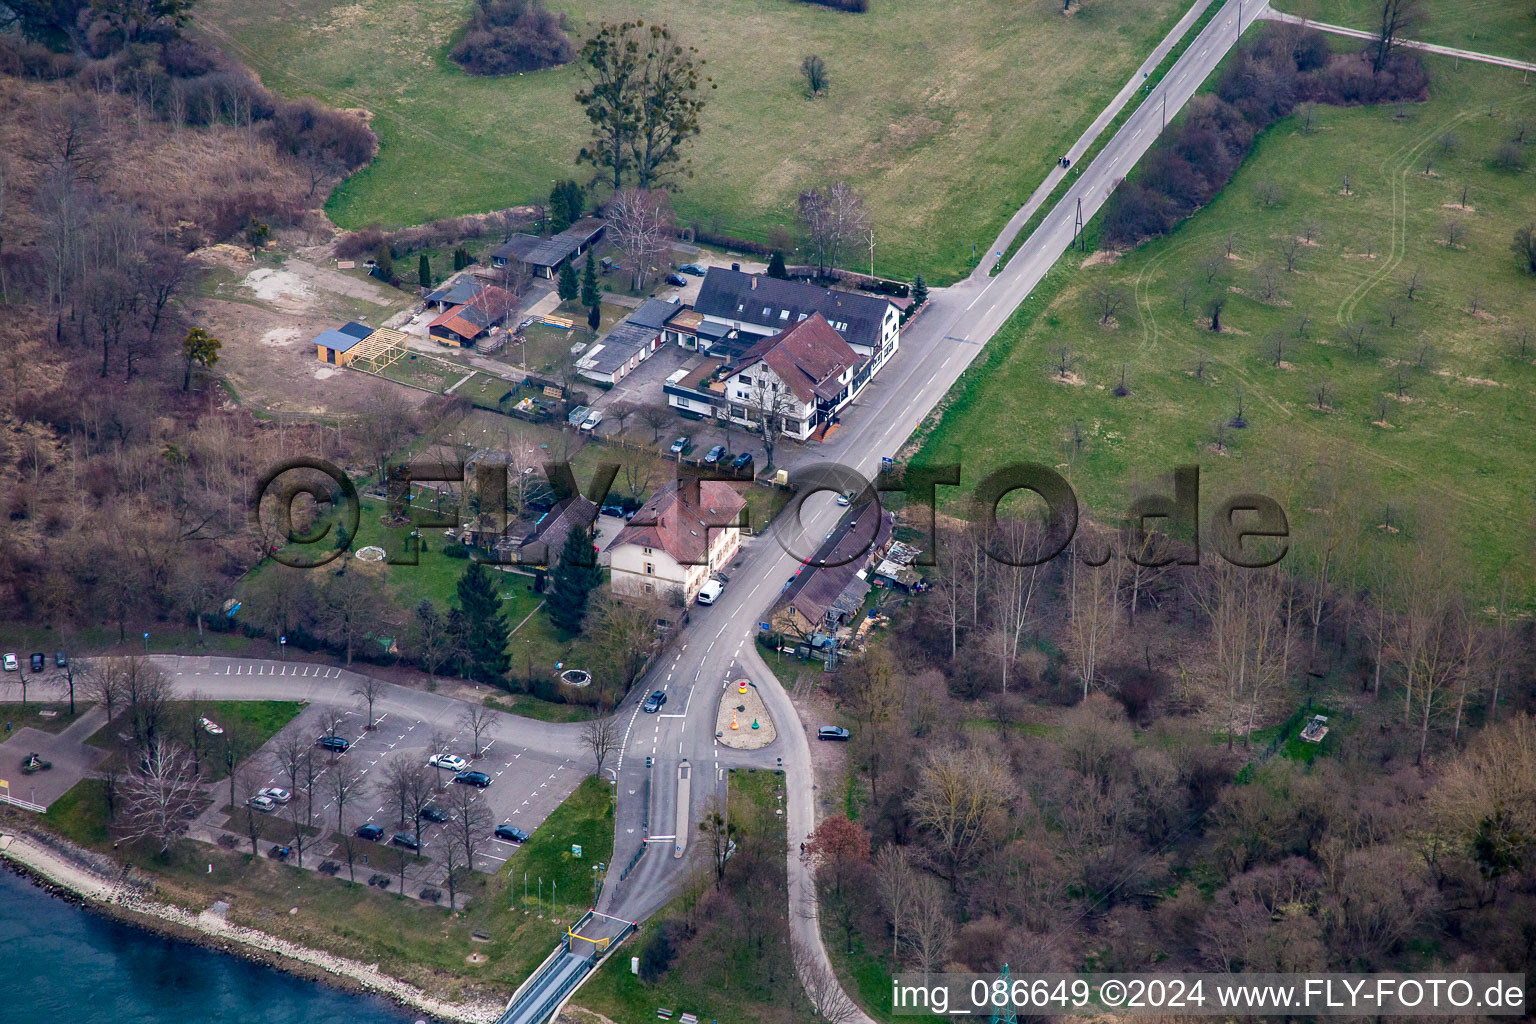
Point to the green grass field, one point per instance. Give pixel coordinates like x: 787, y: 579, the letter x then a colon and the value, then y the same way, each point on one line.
x: 246, y: 723
x: 945, y: 115
x: 1503, y: 27
x: 1452, y: 441
x: 584, y: 820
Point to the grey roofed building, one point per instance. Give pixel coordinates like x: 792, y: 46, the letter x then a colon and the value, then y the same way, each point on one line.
x: 544, y: 255
x: 654, y: 313
x: 773, y: 304
x: 619, y: 351
x: 456, y: 293
x: 828, y: 590
x: 545, y: 542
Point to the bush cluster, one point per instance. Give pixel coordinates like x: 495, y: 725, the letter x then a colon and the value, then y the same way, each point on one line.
x: 506, y: 37
x: 1267, y: 79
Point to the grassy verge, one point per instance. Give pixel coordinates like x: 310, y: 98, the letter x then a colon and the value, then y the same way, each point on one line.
x: 542, y: 710
x: 32, y: 716
x: 737, y: 966
x: 1131, y: 106
x: 548, y: 862
x: 1486, y: 26
x: 247, y: 724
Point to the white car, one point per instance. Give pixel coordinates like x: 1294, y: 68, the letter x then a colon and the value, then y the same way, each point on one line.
x: 277, y: 794
x: 263, y: 803
x: 844, y: 500
x: 452, y: 762
x: 211, y: 727
x: 711, y: 590
x: 11, y: 664
x: 593, y: 419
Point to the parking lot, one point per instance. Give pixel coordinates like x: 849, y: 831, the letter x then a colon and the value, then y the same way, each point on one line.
x: 525, y: 787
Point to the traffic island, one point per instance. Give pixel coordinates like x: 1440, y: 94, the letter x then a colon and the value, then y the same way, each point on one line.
x: 743, y: 722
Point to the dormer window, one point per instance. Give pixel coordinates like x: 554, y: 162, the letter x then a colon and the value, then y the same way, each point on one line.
x: 783, y: 314
x: 767, y: 310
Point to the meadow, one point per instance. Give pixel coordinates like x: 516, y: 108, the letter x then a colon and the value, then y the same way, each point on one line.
x: 1486, y: 26
x: 1328, y: 386
x: 944, y: 115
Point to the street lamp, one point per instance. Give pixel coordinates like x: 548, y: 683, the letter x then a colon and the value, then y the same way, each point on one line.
x: 282, y: 646
x: 595, y: 869
x: 146, y: 643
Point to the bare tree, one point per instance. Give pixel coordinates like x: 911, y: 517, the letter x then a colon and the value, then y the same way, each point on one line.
x: 409, y: 784
x: 1397, y: 19
x: 345, y: 782
x: 104, y: 684
x: 1413, y: 284
x: 601, y: 737
x: 159, y: 792
x: 931, y: 930
x: 1290, y: 247
x: 828, y: 1000
x: 658, y: 418
x: 832, y: 217
x: 814, y: 70
x: 640, y: 224
x: 369, y: 690
x: 249, y: 785
x: 477, y: 718
x: 896, y: 879
x: 960, y: 798
x: 471, y: 821
x: 1107, y: 300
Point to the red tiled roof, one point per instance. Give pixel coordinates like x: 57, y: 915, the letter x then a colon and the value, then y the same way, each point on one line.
x: 808, y: 357
x: 679, y: 527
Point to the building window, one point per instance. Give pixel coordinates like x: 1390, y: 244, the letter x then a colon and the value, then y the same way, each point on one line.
x: 650, y: 570
x: 783, y: 314
x: 649, y: 588
x: 646, y: 550
x: 745, y: 379
x: 767, y: 311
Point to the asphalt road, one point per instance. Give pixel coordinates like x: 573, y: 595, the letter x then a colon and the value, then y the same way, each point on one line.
x: 936, y: 349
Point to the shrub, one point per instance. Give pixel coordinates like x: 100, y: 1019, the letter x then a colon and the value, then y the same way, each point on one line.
x: 307, y: 130
x: 455, y: 550
x: 505, y: 37
x: 660, y: 951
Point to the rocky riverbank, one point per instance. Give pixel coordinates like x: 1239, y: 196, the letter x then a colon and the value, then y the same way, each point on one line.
x: 60, y: 875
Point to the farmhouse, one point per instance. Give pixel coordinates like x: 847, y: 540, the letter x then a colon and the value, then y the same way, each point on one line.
x: 543, y: 257
x: 462, y: 325
x: 750, y: 306
x: 628, y: 344
x: 829, y: 590
x: 682, y: 534
x: 340, y: 345
x: 799, y: 378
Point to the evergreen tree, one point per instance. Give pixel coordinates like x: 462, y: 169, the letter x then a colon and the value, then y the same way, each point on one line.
x: 460, y: 259
x: 424, y: 271
x: 576, y: 576
x: 776, y: 266
x: 566, y: 201
x: 568, y: 287
x: 594, y: 317
x: 919, y: 291
x: 485, y: 627
x: 589, y: 292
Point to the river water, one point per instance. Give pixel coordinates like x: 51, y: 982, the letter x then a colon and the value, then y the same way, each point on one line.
x: 60, y: 964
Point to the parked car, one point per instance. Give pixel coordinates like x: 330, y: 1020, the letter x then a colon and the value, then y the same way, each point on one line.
x: 38, y: 661
x: 477, y: 779
x: 742, y: 461
x: 613, y: 510
x: 680, y: 445
x: 844, y: 499
x: 511, y: 834
x: 211, y: 727
x: 593, y: 419
x: 833, y: 732
x: 715, y: 454
x: 277, y: 794
x: 432, y: 812
x: 32, y: 764
x: 263, y: 803
x: 677, y: 280
x: 335, y: 743
x: 406, y: 840
x: 710, y: 591
x: 370, y: 832
x: 453, y: 762
x: 11, y: 664
x: 693, y: 269
x: 60, y: 660
x: 654, y: 702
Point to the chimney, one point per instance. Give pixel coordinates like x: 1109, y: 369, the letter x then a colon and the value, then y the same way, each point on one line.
x: 754, y: 282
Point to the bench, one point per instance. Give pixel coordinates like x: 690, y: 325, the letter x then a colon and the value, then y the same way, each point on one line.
x: 663, y: 1013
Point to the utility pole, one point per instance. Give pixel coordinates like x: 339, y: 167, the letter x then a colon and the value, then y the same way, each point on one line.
x: 1078, y: 237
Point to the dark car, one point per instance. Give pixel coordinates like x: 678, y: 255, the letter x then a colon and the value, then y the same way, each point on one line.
x: 612, y: 510
x: 406, y: 840
x: 370, y: 832
x: 432, y: 812
x: 677, y: 280
x: 715, y: 454
x: 60, y: 660
x: 693, y: 269
x: 479, y: 779
x: 511, y: 834
x: 832, y: 732
x: 654, y: 702
x: 38, y: 661
x: 742, y: 461
x: 335, y: 743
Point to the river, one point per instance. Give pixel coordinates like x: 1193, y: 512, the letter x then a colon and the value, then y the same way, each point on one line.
x: 60, y: 964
